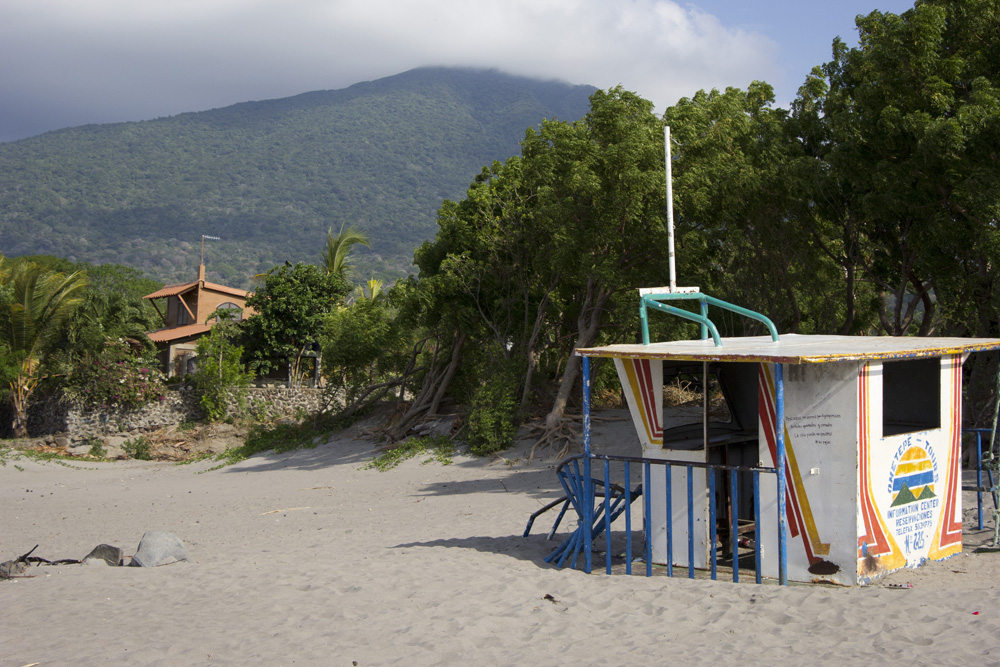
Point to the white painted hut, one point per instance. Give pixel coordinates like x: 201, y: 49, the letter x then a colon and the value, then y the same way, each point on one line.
x: 866, y: 429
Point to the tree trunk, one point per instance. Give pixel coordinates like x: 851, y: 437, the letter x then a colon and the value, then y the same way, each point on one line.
x: 21, y: 390
x: 456, y: 359
x: 531, y: 354
x: 588, y: 324
x: 431, y: 390
x: 848, y: 324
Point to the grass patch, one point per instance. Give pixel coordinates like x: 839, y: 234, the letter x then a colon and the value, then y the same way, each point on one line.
x: 440, y: 448
x: 193, y: 459
x: 11, y: 454
x: 279, y: 438
x: 285, y: 437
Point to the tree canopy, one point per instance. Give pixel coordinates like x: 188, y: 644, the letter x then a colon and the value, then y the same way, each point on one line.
x: 289, y: 307
x: 868, y: 207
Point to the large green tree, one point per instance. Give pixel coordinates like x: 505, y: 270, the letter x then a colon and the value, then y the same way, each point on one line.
x: 541, y: 254
x: 112, y: 308
x: 905, y: 128
x: 290, y: 304
x: 741, y: 215
x: 601, y: 195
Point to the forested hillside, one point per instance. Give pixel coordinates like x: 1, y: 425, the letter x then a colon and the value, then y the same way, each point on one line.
x: 869, y: 207
x: 270, y: 178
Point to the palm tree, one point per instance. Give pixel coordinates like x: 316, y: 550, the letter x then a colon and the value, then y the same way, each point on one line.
x: 39, y: 303
x: 374, y: 286
x: 339, y: 247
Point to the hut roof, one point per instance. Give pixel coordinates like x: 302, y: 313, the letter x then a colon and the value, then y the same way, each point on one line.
x: 797, y: 349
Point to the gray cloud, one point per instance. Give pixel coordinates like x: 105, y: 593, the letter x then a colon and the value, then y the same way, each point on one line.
x: 69, y: 63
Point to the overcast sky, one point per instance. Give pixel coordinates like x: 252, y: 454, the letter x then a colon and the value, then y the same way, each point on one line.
x: 71, y: 62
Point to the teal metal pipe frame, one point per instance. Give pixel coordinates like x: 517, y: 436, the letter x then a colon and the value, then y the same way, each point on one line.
x: 652, y: 300
x: 687, y: 315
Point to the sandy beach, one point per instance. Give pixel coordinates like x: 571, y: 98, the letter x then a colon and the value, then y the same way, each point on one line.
x: 306, y: 558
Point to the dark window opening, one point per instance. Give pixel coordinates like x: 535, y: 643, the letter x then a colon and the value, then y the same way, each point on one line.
x: 911, y: 396
x: 732, y: 407
x: 182, y: 314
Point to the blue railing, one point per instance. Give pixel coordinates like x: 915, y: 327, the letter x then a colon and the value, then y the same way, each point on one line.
x: 979, y: 487
x: 601, y: 500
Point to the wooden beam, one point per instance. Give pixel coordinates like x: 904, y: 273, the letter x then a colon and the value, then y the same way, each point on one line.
x: 194, y: 319
x: 158, y: 312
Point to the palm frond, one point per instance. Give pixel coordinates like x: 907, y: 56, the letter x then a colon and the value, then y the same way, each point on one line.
x: 338, y: 248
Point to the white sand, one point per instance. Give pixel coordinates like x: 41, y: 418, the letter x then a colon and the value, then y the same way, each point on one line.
x: 421, y: 565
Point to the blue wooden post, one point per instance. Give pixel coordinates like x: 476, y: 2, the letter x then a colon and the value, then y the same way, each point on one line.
x: 607, y: 515
x: 588, y: 483
x: 711, y: 522
x: 756, y: 522
x: 734, y: 526
x: 628, y: 520
x: 690, y: 490
x: 779, y: 407
x: 669, y: 505
x: 647, y: 523
x: 979, y: 477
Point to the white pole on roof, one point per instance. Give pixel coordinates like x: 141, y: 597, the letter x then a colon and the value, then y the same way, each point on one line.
x: 203, y: 237
x: 670, y: 210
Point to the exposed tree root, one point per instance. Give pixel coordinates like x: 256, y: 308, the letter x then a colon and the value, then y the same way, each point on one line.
x: 561, y: 432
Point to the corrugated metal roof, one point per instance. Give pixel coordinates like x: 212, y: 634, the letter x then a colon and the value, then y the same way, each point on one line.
x: 798, y: 349
x: 167, y: 335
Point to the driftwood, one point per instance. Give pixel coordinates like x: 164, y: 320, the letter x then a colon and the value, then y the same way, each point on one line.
x: 11, y: 569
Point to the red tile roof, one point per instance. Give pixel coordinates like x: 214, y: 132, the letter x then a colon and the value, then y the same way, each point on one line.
x: 166, y: 335
x: 173, y: 290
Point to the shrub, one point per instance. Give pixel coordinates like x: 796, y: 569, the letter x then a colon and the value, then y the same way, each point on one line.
x: 138, y: 449
x: 491, y: 423
x: 96, y: 448
x: 362, y: 345
x: 220, y: 375
x: 116, y: 379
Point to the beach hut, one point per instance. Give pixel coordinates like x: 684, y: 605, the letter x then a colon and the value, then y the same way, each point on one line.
x: 829, y: 458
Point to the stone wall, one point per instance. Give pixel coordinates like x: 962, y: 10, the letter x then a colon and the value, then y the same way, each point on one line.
x: 60, y: 414
x: 285, y: 401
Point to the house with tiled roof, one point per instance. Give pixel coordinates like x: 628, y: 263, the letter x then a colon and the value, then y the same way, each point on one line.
x: 185, y: 310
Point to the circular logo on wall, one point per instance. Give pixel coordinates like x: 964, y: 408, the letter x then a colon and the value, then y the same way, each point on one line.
x: 913, y: 476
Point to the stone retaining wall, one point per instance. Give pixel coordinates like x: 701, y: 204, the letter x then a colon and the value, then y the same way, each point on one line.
x: 60, y: 414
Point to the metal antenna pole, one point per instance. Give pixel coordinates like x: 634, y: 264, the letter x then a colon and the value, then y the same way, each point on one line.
x: 203, y: 237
